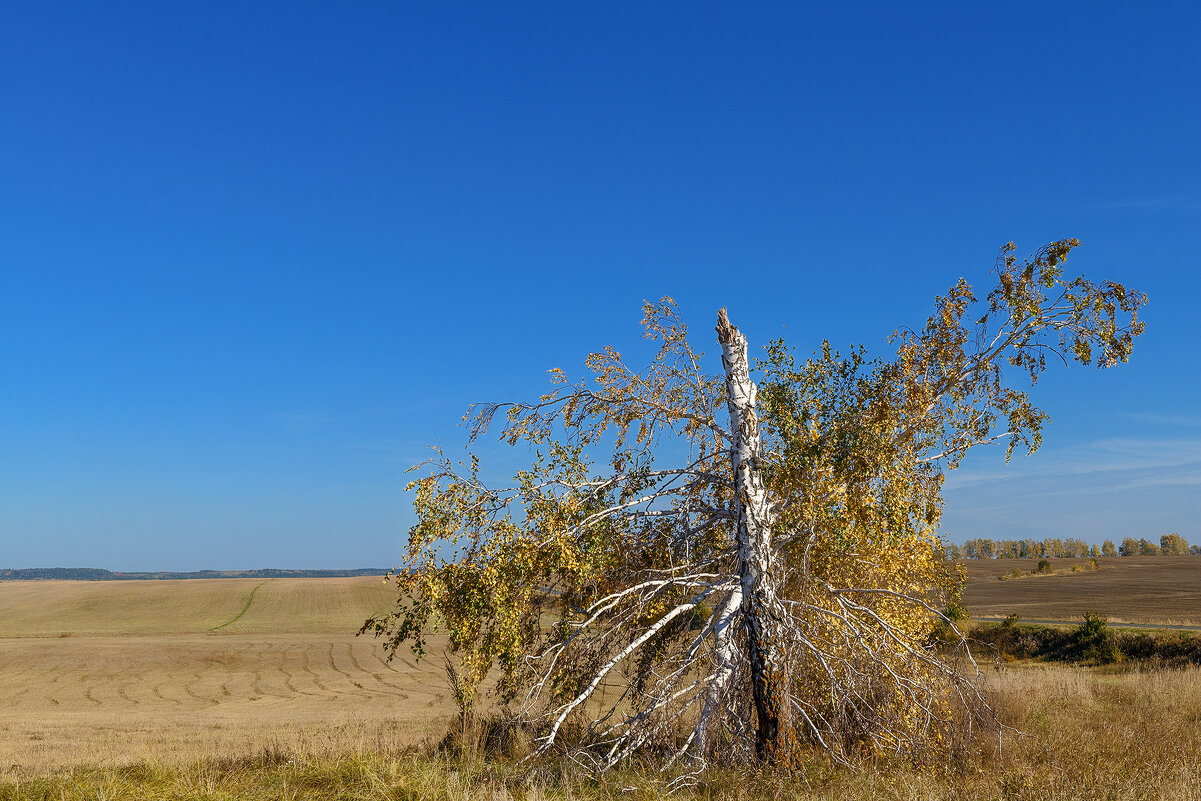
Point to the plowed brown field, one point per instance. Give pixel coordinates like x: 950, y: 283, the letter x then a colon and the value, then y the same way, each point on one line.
x: 1138, y: 589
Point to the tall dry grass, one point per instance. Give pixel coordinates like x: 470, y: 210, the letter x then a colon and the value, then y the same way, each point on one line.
x: 1086, y: 734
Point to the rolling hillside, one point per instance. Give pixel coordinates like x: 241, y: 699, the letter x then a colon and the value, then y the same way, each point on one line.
x: 235, y: 605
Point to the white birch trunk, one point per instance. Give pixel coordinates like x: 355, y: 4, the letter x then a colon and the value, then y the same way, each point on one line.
x: 717, y: 693
x: 762, y: 613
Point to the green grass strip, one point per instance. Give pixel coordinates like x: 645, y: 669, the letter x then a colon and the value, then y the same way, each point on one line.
x: 237, y: 617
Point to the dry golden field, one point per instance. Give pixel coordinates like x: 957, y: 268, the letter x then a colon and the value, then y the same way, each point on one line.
x: 253, y: 689
x: 1142, y: 589
x: 1079, y: 734
x: 193, y: 606
x: 104, y: 673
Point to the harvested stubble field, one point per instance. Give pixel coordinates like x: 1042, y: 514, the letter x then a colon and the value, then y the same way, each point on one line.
x: 193, y: 606
x: 1164, y: 590
x: 1085, y: 734
x: 252, y: 689
x: 106, y: 673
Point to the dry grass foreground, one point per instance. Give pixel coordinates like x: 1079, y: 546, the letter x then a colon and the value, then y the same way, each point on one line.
x: 1088, y: 734
x: 1138, y: 589
x: 141, y: 676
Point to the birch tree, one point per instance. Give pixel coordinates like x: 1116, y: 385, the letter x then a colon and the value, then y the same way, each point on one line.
x: 702, y: 566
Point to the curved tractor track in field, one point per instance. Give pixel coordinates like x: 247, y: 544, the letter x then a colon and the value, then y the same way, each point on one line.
x: 245, y: 606
x: 175, y: 668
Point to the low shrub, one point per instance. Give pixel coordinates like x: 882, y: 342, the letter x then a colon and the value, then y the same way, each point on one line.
x: 944, y: 630
x: 1096, y: 640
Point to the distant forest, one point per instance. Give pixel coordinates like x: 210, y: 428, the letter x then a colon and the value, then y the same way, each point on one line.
x: 1169, y: 545
x: 99, y: 574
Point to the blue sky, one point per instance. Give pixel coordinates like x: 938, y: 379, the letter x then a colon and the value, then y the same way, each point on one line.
x: 256, y: 256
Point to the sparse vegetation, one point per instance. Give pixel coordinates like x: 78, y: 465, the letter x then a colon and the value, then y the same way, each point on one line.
x: 1045, y: 568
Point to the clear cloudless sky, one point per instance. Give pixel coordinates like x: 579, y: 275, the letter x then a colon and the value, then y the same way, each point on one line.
x: 254, y: 257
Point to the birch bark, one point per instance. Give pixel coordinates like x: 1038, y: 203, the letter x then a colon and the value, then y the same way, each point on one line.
x: 717, y: 694
x: 762, y: 612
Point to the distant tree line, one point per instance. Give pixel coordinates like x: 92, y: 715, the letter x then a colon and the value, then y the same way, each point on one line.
x: 1055, y: 548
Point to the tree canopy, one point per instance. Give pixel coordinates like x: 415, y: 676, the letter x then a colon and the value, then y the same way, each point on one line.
x: 703, y: 565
